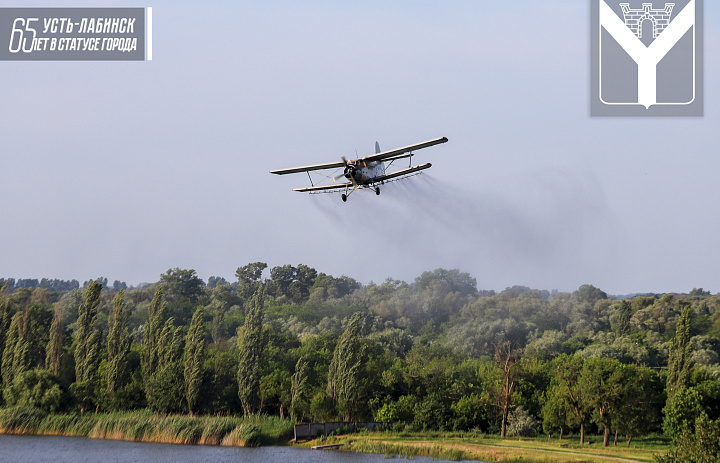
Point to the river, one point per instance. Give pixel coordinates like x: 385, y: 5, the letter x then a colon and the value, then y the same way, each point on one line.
x: 60, y: 449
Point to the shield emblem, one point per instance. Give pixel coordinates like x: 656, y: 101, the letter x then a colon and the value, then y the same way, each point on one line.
x: 647, y: 58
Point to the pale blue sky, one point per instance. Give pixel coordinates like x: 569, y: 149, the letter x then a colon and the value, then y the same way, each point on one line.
x: 124, y: 170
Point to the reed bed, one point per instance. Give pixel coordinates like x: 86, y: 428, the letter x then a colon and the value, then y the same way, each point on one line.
x: 147, y: 426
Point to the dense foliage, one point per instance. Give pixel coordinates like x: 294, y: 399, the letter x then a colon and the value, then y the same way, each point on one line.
x: 437, y: 353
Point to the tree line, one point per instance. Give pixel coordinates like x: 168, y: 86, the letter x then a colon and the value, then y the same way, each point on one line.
x: 436, y: 353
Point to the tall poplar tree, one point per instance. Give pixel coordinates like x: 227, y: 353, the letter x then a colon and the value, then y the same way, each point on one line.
x: 680, y: 362
x: 165, y: 386
x: 251, y: 344
x: 87, y: 347
x: 298, y: 389
x: 53, y: 356
x: 194, y: 359
x: 5, y: 319
x: 16, y: 355
x: 162, y: 358
x: 24, y: 348
x: 346, y: 368
x: 623, y: 315
x: 157, y: 313
x: 118, y: 347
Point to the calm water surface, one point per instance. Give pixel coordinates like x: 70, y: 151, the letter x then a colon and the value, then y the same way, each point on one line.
x: 60, y: 449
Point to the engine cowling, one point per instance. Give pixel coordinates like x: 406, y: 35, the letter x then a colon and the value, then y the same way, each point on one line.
x: 350, y: 171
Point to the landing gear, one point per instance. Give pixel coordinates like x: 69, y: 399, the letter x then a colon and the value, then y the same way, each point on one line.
x: 344, y: 197
x: 377, y: 190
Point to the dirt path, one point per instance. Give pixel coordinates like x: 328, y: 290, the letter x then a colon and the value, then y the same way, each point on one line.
x: 475, y: 449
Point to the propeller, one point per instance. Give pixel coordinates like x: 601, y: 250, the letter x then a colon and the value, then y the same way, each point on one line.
x: 344, y: 159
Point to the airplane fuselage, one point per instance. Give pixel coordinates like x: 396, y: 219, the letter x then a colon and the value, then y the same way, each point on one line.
x: 361, y: 173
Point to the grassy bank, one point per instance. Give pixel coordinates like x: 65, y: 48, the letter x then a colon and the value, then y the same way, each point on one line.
x: 147, y: 426
x: 469, y: 446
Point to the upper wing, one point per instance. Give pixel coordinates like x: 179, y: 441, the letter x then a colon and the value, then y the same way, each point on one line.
x: 374, y: 157
x: 294, y: 170
x: 404, y: 149
x: 323, y: 187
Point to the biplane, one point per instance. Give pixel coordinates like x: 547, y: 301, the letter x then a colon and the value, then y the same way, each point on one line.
x: 365, y: 173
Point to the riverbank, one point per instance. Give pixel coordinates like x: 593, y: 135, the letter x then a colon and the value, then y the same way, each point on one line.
x: 147, y: 426
x: 469, y: 446
x: 257, y: 430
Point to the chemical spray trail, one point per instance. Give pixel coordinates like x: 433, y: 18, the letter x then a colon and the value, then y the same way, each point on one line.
x: 424, y: 223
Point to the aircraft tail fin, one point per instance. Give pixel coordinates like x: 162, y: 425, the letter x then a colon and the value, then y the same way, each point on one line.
x: 377, y: 147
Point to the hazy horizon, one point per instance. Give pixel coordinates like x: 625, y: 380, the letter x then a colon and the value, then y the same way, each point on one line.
x: 127, y: 169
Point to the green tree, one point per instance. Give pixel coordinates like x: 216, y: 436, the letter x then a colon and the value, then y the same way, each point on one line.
x: 604, y: 381
x: 507, y: 362
x: 299, y: 391
x: 36, y: 388
x: 680, y: 362
x: 222, y: 300
x: 251, y: 345
x: 699, y: 446
x: 326, y: 286
x: 27, y: 336
x: 87, y: 347
x: 291, y: 283
x: 470, y: 411
x: 620, y: 319
x: 346, y: 368
x: 165, y: 386
x: 249, y: 279
x: 321, y: 407
x: 275, y: 389
x: 276, y: 370
x: 214, y: 281
x: 118, y: 348
x: 194, y: 359
x: 184, y: 291
x: 183, y: 283
x: 640, y: 408
x: 219, y: 390
x: 555, y: 412
x: 567, y: 370
x: 16, y: 355
x: 157, y: 314
x: 162, y: 358
x: 54, y: 349
x: 589, y: 294
x: 681, y: 411
x: 5, y: 319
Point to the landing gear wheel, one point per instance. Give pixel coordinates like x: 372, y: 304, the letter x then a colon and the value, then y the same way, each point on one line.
x: 377, y: 190
x: 344, y: 197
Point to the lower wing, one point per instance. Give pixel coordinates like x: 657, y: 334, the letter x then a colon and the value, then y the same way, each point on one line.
x: 399, y: 173
x: 402, y: 172
x: 323, y: 187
